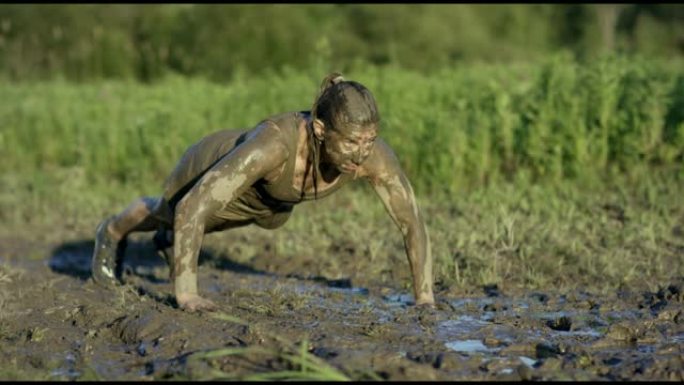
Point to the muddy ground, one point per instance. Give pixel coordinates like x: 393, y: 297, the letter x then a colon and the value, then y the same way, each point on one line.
x: 56, y: 324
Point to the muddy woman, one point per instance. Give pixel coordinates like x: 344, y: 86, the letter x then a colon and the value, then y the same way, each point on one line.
x: 234, y: 178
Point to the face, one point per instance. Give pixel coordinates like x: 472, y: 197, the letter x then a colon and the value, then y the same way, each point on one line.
x: 349, y: 146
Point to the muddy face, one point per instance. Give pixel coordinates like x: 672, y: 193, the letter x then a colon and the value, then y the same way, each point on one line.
x: 348, y: 146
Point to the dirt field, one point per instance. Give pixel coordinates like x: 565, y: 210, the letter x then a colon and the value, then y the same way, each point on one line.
x: 56, y: 324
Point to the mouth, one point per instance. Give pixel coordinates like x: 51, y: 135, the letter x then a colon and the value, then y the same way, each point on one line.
x: 348, y: 168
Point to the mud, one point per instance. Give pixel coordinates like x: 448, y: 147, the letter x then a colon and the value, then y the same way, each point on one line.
x: 56, y: 324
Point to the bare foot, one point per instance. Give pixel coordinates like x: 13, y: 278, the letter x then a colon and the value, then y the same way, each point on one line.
x: 193, y: 303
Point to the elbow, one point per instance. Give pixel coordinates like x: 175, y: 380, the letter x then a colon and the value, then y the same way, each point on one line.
x: 191, y: 210
x: 414, y: 233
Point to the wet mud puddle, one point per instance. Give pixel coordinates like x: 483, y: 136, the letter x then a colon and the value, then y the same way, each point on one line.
x: 55, y: 324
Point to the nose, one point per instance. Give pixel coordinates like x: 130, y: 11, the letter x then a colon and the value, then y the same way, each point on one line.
x: 361, y: 154
x: 357, y: 157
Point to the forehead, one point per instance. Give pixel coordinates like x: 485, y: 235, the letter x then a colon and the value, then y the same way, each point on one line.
x: 358, y: 131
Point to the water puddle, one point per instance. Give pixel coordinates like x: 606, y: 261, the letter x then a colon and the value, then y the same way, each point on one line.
x: 468, y: 346
x: 528, y: 361
x: 581, y: 333
x: 350, y: 290
x: 401, y: 300
x: 462, y: 325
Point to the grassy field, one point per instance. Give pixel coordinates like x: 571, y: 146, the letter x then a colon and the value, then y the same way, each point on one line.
x: 554, y: 173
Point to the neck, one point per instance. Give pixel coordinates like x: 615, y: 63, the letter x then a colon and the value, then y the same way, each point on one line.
x: 325, y: 168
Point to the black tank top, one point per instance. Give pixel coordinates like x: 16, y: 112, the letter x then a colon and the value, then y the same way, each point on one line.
x: 201, y: 156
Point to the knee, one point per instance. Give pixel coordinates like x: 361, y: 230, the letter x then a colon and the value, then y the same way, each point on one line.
x: 186, y: 206
x: 143, y: 207
x: 192, y: 209
x: 151, y: 203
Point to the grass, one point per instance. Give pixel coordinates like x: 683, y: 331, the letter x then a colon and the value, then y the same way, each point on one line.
x: 551, y: 173
x: 7, y: 276
x: 299, y: 363
x: 465, y: 126
x: 15, y: 374
x: 512, y: 234
x: 304, y: 365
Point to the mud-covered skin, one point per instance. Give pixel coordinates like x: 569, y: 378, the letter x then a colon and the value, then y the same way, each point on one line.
x: 383, y: 171
x: 262, y: 152
x: 103, y: 265
x: 354, y: 150
x: 226, y: 194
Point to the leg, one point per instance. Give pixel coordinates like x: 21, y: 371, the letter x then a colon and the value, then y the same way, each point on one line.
x: 274, y: 221
x: 163, y: 241
x: 144, y: 214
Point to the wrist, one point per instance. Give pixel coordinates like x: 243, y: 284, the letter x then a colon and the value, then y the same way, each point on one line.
x: 425, y: 299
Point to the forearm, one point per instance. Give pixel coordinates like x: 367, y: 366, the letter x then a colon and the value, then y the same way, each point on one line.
x: 189, y: 226
x: 417, y: 244
x: 395, y: 191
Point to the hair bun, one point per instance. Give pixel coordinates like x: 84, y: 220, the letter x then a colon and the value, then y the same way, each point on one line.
x: 337, y: 77
x: 330, y: 80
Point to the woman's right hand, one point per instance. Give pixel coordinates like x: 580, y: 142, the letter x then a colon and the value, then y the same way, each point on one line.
x: 193, y: 303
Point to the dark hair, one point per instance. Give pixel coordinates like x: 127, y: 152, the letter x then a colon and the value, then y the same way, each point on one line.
x: 343, y: 102
x: 339, y: 103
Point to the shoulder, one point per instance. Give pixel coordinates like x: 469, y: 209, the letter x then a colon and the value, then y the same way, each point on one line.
x: 280, y: 126
x: 285, y: 122
x: 268, y: 138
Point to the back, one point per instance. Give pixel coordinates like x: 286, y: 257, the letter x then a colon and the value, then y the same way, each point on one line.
x: 197, y: 159
x: 201, y: 156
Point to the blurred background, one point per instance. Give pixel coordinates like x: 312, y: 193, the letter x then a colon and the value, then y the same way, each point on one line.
x: 144, y: 42
x: 545, y: 142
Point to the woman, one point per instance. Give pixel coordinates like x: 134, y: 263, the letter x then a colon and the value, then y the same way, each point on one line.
x: 235, y: 178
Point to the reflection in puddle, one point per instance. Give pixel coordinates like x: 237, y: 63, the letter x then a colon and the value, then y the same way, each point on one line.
x: 646, y: 349
x: 553, y: 314
x: 350, y: 290
x: 589, y: 333
x: 528, y: 361
x: 462, y: 325
x: 399, y: 299
x: 69, y: 370
x: 468, y: 346
x: 71, y: 374
x: 466, y: 302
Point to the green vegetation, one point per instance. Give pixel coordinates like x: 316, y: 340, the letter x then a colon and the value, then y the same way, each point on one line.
x: 466, y: 126
x: 554, y: 173
x: 304, y: 365
x: 146, y: 42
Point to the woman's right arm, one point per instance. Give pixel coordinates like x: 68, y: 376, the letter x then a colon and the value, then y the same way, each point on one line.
x: 263, y: 151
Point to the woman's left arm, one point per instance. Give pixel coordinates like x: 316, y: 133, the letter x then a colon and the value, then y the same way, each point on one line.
x: 384, y: 173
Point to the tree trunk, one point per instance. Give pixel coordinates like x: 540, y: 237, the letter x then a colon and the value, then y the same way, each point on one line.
x: 607, y: 15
